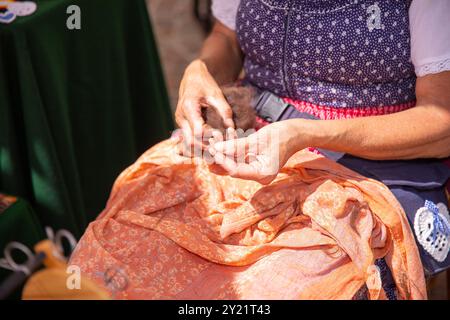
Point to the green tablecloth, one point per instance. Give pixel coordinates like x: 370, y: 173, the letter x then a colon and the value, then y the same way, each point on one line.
x: 77, y: 106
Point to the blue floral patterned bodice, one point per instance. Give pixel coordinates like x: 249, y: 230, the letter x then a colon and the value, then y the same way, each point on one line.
x: 340, y: 53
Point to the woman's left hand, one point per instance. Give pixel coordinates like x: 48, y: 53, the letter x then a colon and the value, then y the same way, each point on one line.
x: 258, y: 156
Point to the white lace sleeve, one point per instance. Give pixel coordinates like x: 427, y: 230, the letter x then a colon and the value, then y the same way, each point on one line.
x: 225, y: 11
x: 430, y: 36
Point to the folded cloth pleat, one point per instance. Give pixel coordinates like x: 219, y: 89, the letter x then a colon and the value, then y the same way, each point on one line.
x: 175, y: 230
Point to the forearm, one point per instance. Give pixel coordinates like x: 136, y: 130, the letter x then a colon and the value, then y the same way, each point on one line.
x: 420, y: 132
x: 221, y: 54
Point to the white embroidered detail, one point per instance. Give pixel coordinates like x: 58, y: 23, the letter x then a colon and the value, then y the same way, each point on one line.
x: 374, y: 19
x: 433, y: 67
x: 435, y: 242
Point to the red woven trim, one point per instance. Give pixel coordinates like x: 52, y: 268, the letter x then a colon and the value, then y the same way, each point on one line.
x: 260, y: 122
x: 331, y: 113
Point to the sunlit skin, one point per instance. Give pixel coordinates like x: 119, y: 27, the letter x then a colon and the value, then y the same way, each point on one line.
x: 419, y: 132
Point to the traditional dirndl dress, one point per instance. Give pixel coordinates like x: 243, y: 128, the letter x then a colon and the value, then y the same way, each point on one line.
x: 333, y: 59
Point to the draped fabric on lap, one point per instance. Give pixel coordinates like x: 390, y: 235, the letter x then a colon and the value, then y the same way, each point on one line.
x: 178, y: 231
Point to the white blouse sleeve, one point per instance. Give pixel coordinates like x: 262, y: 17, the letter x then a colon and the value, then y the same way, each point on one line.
x: 430, y: 36
x: 225, y: 11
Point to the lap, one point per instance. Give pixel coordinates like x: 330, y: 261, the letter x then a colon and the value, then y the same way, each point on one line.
x: 419, y: 186
x: 176, y: 229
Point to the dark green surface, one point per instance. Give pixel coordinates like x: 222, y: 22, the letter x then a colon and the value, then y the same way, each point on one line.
x: 18, y: 223
x: 77, y: 107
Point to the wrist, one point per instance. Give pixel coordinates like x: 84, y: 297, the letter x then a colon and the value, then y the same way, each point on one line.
x: 303, y: 133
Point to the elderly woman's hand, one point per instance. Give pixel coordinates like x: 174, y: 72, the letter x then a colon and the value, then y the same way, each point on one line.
x: 258, y: 156
x: 199, y: 90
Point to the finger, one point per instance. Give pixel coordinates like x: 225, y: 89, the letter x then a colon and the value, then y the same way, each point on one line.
x: 207, y: 136
x: 223, y: 108
x: 231, y: 134
x: 252, y: 171
x: 241, y: 170
x: 211, y: 150
x: 193, y: 114
x: 179, y: 117
x: 250, y: 157
x: 240, y: 146
x: 185, y: 130
x: 186, y: 143
x: 225, y: 162
x: 189, y: 146
x: 248, y: 171
x: 231, y: 147
x: 244, y: 171
x: 216, y: 137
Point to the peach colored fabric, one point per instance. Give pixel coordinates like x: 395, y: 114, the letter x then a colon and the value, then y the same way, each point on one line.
x: 178, y: 231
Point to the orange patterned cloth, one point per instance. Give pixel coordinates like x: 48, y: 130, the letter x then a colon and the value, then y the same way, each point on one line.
x: 175, y: 230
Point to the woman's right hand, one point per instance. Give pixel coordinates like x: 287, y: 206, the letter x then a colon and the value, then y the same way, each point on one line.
x: 198, y: 90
